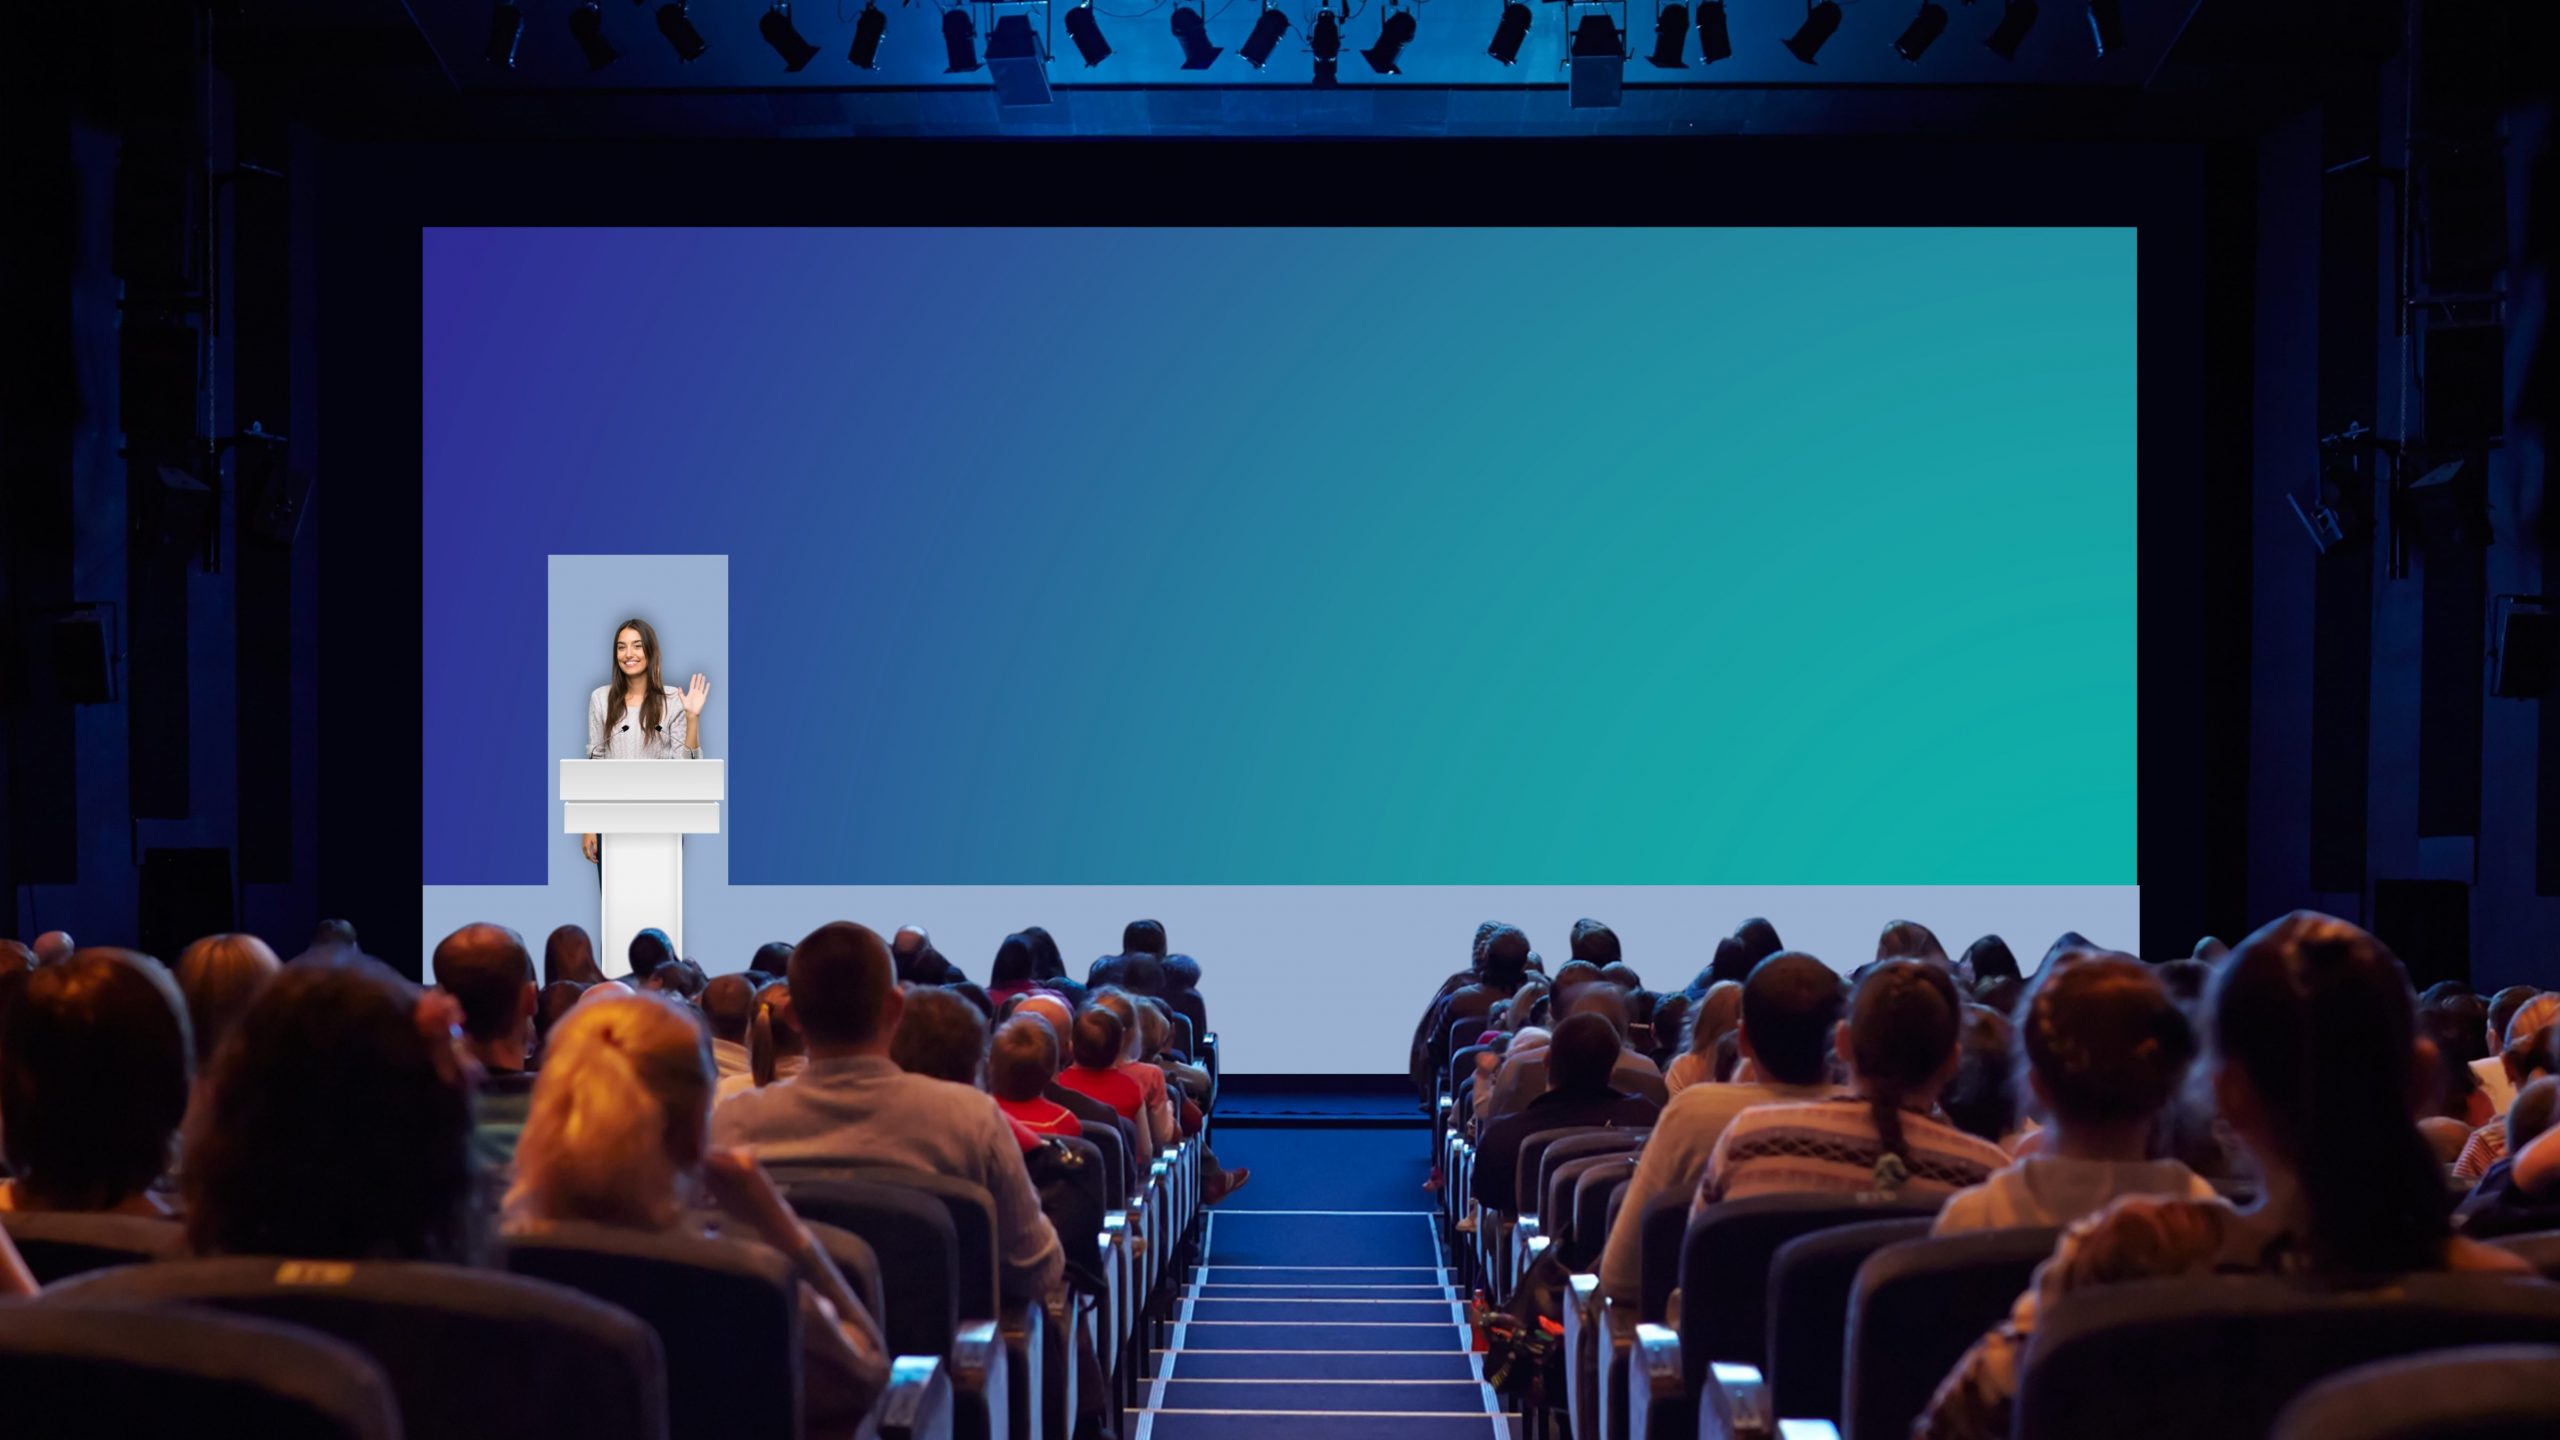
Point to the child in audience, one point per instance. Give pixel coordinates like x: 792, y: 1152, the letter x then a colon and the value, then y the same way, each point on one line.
x: 2103, y: 1048
x: 618, y: 1137
x: 2315, y: 1055
x: 2498, y: 1205
x: 95, y: 1070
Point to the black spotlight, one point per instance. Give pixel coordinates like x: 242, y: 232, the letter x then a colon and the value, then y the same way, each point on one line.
x: 1715, y: 42
x: 1257, y: 47
x: 506, y: 28
x: 867, y: 30
x: 1326, y: 38
x: 959, y: 41
x: 1193, y: 32
x: 587, y: 24
x: 2106, y: 24
x: 1086, y: 31
x: 1819, y: 23
x: 2011, y: 32
x: 1670, y: 36
x: 678, y: 28
x: 1393, y: 36
x: 794, y: 48
x: 1508, y: 35
x: 1922, y: 32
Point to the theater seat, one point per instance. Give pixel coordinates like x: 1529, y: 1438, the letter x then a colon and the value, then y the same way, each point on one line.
x: 2490, y: 1392
x: 82, y: 1371
x: 471, y: 1354
x: 57, y: 1244
x: 2242, y: 1348
x: 727, y: 1313
x: 1810, y: 1279
x: 1914, y: 1309
x: 2540, y: 1248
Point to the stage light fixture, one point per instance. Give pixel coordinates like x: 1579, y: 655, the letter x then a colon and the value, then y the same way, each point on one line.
x: 2011, y: 32
x: 1325, y: 37
x: 867, y: 30
x: 1670, y: 37
x: 1820, y: 21
x: 789, y: 43
x: 1086, y: 31
x: 1715, y: 41
x: 1393, y: 35
x: 1922, y: 32
x: 959, y: 42
x: 678, y: 28
x: 1193, y: 32
x: 1508, y: 35
x: 506, y: 29
x: 2106, y: 24
x: 1267, y: 30
x: 587, y: 23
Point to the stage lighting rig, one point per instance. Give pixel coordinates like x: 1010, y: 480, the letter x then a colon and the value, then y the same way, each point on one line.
x: 586, y: 23
x: 678, y: 28
x: 867, y: 30
x: 506, y: 31
x: 1324, y: 41
x: 959, y: 41
x: 1086, y: 31
x: 1670, y: 37
x: 1508, y: 35
x: 1715, y: 41
x: 1193, y: 33
x: 1267, y: 30
x: 1394, y: 33
x: 1820, y: 22
x: 1922, y: 32
x: 2106, y: 25
x: 787, y: 42
x: 2015, y: 21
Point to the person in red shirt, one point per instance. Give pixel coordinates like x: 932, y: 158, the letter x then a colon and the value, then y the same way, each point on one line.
x: 1095, y: 1045
x: 1020, y: 1065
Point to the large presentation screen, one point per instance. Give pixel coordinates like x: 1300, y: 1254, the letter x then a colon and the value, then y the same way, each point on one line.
x: 1319, y: 593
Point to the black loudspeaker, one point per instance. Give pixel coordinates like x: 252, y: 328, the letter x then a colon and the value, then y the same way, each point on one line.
x: 2427, y: 923
x: 2527, y: 638
x: 1015, y: 63
x: 1599, y: 64
x: 186, y: 895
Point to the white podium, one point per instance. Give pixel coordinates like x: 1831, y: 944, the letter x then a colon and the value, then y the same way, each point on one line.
x: 641, y: 810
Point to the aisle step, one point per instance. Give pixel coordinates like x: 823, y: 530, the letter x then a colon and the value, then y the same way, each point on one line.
x: 1222, y: 1425
x: 1333, y: 1364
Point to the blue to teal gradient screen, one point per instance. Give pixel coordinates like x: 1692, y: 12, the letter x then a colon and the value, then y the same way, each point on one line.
x: 1314, y: 557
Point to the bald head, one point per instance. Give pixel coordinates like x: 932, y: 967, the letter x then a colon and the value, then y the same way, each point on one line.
x: 1052, y: 1008
x: 843, y: 988
x: 54, y: 945
x: 1023, y: 1058
x: 729, y: 1002
x: 486, y: 969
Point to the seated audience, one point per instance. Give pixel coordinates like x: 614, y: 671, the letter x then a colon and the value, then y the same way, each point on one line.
x: 2455, y: 1020
x: 487, y: 972
x: 1095, y: 1046
x: 2315, y: 1054
x: 1789, y: 1008
x: 2528, y: 1057
x: 939, y: 1035
x: 1579, y: 1060
x: 1523, y: 1075
x: 1425, y: 1038
x: 569, y: 956
x: 1708, y: 1020
x: 1911, y: 940
x: 1049, y: 966
x: 220, y: 975
x: 1011, y: 972
x: 2504, y: 1203
x: 1021, y: 1062
x: 728, y: 1009
x: 1503, y: 962
x: 617, y: 1137
x: 649, y: 949
x: 336, y: 1058
x: 1980, y: 1100
x: 1989, y: 961
x: 1900, y: 1046
x: 776, y: 1048
x: 95, y: 1069
x: 2104, y: 1048
x: 558, y: 999
x: 918, y: 963
x: 2491, y: 1067
x: 1053, y: 1010
x: 334, y: 936
x: 15, y: 958
x: 1163, y: 1127
x: 853, y: 1105
x: 53, y: 946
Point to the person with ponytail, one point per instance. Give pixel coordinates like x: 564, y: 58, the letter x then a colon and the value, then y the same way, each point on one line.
x: 776, y: 1050
x: 2319, y: 1069
x: 618, y: 1136
x: 1883, y: 1139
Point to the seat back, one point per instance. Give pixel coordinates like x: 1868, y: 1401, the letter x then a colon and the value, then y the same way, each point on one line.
x: 1915, y: 1308
x: 973, y: 1221
x: 857, y: 1262
x: 1189, y: 1005
x: 1664, y: 1220
x: 2487, y: 1392
x: 1533, y: 1153
x: 57, y: 1243
x: 1556, y: 1205
x: 2241, y: 1347
x: 1724, y: 1269
x: 2541, y: 1250
x: 96, y: 1371
x: 919, y: 1253
x: 1114, y: 1149
x: 471, y: 1354
x: 1601, y: 1181
x: 1462, y: 1032
x: 1546, y: 1200
x: 1462, y: 1068
x: 727, y: 1313
x: 1809, y: 1283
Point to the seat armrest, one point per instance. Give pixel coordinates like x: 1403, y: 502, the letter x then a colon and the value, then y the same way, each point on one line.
x: 978, y: 1372
x: 1657, y: 1406
x: 1581, y: 1317
x: 1617, y: 1347
x: 917, y: 1404
x: 1808, y: 1430
x: 1024, y: 1325
x: 1736, y: 1405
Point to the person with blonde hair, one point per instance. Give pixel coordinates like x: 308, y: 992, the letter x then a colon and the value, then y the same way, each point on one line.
x: 619, y: 1135
x: 220, y: 975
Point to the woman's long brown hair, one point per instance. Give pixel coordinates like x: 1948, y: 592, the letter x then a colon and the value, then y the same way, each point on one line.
x: 653, y: 705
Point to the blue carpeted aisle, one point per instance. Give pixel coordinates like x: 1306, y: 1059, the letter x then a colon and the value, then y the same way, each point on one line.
x: 1330, y: 1321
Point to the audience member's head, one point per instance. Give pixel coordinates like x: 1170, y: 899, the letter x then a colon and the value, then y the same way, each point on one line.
x: 843, y: 988
x: 570, y: 954
x: 334, y: 935
x: 2456, y: 1023
x: 220, y: 975
x: 1622, y: 975
x: 906, y: 953
x: 2532, y: 1112
x: 1015, y: 962
x: 729, y: 1007
x: 1711, y: 1017
x: 1909, y: 940
x: 649, y: 950
x: 1475, y: 952
x: 2064, y: 944
x: 2001, y: 994
x: 1728, y: 1055
x: 2535, y: 1014
x: 1904, y: 1021
x: 1506, y: 958
x: 2502, y: 1009
x: 1989, y: 959
x: 683, y: 978
x: 1181, y: 973
x: 1572, y: 978
x: 1022, y: 1059
x: 15, y: 957
x: 618, y: 1117
x: 486, y: 970
x: 2445, y: 1136
x: 95, y: 1065
x: 338, y: 1125
x: 54, y: 945
x: 2186, y: 982
x: 2105, y: 1046
x: 1980, y: 1100
x: 2315, y: 1051
x: 1050, y: 964
x: 1732, y: 962
x: 1759, y: 941
x: 773, y: 1033
x: 977, y: 996
x: 1606, y: 1001
x: 1124, y: 1008
x: 1526, y: 1007
x: 1053, y: 1009
x: 1581, y: 1053
x: 1790, y: 1006
x: 939, y: 1035
x: 2209, y: 949
x: 558, y: 999
x: 1143, y: 937
x: 772, y: 959
x: 1097, y: 1039
x: 1595, y: 942
x: 1141, y: 973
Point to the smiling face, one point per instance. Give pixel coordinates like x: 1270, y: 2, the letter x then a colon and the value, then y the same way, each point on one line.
x: 630, y: 652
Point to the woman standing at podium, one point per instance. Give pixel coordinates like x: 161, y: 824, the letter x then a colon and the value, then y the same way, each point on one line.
x: 638, y: 716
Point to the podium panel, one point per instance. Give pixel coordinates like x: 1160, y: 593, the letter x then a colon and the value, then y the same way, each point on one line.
x: 641, y: 810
